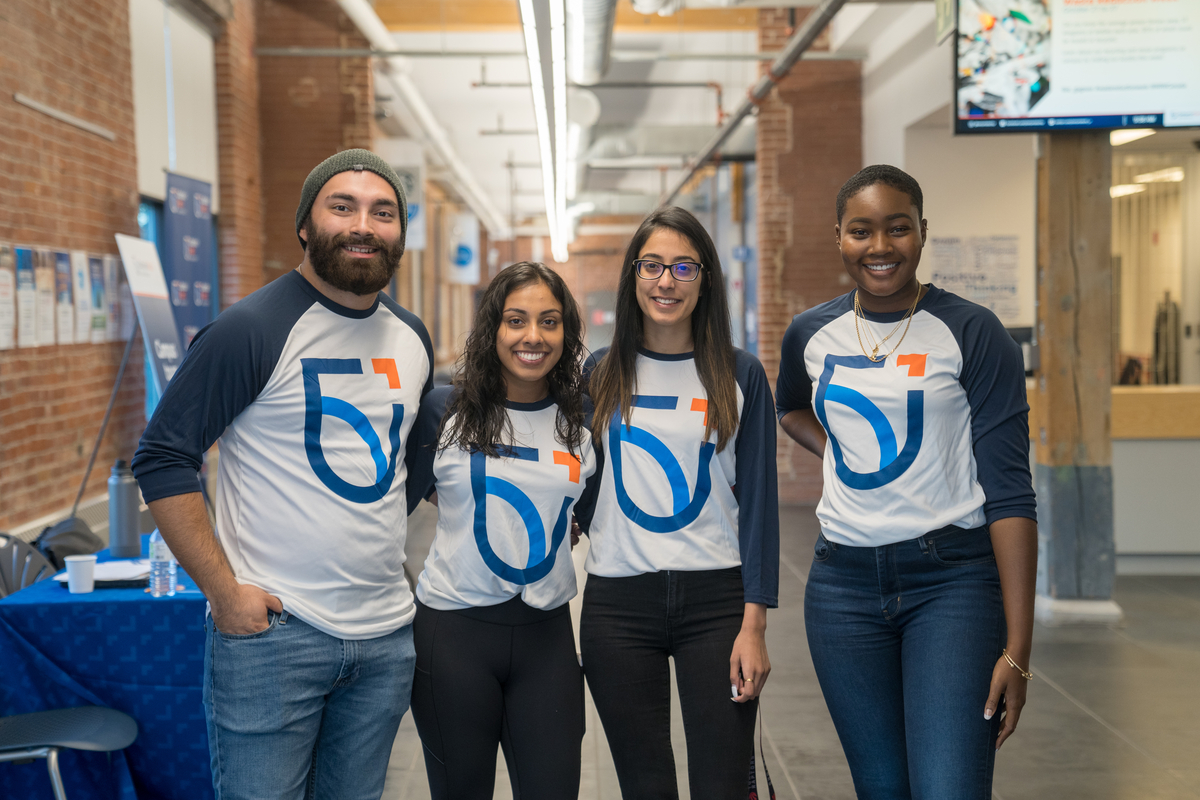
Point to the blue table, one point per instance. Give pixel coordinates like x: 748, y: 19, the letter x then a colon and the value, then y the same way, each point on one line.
x: 119, y: 648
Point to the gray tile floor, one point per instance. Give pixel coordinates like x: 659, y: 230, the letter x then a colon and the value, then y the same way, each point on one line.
x: 1113, y: 714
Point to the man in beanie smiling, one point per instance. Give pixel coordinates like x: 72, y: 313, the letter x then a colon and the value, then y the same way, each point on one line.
x: 310, y: 385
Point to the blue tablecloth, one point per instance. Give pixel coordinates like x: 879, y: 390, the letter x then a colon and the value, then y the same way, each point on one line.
x: 119, y: 648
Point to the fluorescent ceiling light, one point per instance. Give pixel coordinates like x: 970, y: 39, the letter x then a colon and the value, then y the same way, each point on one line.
x: 558, y: 75
x: 541, y: 115
x: 1127, y: 135
x: 1125, y: 189
x: 1168, y: 175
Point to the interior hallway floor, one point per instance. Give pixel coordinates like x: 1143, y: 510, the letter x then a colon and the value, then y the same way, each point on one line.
x: 1112, y: 714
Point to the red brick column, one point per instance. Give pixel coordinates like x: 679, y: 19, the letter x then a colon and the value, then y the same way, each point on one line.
x: 240, y: 224
x: 64, y: 188
x: 809, y: 143
x: 310, y: 108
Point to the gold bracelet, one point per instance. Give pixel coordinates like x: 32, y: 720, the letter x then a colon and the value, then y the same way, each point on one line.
x: 1026, y: 675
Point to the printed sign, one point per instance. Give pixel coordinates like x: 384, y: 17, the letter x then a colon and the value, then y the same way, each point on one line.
x: 153, y: 305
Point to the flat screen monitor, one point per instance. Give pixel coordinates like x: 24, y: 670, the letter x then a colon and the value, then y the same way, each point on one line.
x: 1053, y: 65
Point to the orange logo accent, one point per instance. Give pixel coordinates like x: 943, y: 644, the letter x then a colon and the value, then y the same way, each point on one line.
x: 387, y: 366
x: 570, y: 462
x: 701, y: 405
x: 915, y: 363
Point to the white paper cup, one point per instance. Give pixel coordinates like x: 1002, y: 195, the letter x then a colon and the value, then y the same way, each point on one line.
x: 81, y: 573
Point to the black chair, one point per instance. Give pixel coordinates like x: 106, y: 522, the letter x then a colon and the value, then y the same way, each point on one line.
x: 42, y: 734
x: 20, y: 565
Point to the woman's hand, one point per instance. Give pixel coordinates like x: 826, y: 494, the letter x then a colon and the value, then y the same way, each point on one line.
x: 1009, y: 688
x: 1014, y: 541
x: 749, y: 665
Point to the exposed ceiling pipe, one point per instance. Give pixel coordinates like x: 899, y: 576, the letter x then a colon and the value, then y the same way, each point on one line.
x: 367, y: 21
x: 589, y: 29
x: 800, y: 41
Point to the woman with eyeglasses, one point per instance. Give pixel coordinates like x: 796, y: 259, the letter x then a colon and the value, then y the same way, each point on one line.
x: 684, y: 523
x: 506, y: 455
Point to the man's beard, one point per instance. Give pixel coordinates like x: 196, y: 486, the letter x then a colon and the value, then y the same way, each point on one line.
x: 361, y: 276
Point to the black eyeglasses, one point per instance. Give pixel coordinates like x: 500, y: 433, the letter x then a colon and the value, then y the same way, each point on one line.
x: 685, y: 271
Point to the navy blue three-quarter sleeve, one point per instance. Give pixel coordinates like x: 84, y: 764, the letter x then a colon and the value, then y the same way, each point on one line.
x: 793, y: 387
x: 993, y: 376
x: 227, y: 365
x: 756, y: 485
x: 422, y: 445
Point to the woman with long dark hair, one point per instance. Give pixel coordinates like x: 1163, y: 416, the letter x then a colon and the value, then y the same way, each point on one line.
x: 505, y: 455
x: 683, y: 524
x: 919, y: 603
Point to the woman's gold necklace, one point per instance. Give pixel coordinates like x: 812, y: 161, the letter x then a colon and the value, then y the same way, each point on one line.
x: 906, y: 321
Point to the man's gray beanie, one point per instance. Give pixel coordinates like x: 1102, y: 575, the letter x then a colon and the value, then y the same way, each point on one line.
x: 346, y: 161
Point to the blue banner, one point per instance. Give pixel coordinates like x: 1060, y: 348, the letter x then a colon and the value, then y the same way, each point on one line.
x: 188, y: 249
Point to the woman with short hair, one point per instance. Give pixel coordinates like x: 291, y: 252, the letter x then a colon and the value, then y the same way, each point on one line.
x: 919, y: 603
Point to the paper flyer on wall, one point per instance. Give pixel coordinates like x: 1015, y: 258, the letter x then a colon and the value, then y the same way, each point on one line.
x: 83, y: 296
x: 26, y: 298
x: 982, y: 269
x: 43, y: 270
x: 99, y: 300
x: 112, y: 293
x: 8, y: 299
x: 64, y: 298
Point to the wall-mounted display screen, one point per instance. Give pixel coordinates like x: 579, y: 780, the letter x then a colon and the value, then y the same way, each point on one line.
x: 1047, y: 65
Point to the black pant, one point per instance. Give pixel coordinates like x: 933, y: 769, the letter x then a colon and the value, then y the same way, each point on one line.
x: 503, y: 674
x: 630, y: 626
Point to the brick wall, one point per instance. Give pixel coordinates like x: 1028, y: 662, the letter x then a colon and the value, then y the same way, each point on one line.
x: 310, y: 108
x: 65, y: 188
x: 239, y: 159
x: 809, y: 143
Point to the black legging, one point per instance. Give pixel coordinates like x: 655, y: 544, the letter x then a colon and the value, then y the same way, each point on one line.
x: 630, y: 627
x: 503, y: 674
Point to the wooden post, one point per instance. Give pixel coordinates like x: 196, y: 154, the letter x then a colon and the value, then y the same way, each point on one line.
x: 1073, y: 443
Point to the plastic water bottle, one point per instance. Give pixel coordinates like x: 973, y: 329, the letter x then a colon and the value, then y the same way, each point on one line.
x: 162, y: 567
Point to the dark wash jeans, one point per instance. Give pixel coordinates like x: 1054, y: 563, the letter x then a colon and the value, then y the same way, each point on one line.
x: 628, y: 629
x: 904, y: 638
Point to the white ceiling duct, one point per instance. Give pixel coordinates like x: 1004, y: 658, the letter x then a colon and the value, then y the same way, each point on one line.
x: 589, y: 29
x: 367, y: 21
x: 664, y: 8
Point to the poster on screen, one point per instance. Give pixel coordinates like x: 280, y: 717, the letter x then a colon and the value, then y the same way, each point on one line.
x: 8, y: 298
x: 1053, y: 65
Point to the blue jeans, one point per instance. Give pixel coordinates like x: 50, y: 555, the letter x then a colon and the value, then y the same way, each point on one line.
x: 296, y: 713
x: 904, y: 639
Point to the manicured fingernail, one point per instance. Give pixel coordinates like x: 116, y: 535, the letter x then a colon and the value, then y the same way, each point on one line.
x: 987, y: 713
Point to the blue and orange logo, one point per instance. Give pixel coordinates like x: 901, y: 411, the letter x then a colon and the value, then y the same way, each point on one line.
x: 892, y: 464
x: 685, y: 504
x: 318, y: 406
x: 540, y: 559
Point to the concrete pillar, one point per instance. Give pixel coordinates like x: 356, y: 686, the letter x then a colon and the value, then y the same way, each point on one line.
x: 1073, y: 443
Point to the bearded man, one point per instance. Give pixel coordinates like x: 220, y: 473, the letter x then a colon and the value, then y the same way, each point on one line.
x: 310, y: 385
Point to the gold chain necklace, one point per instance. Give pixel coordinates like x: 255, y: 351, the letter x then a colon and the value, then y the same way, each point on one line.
x: 906, y: 320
